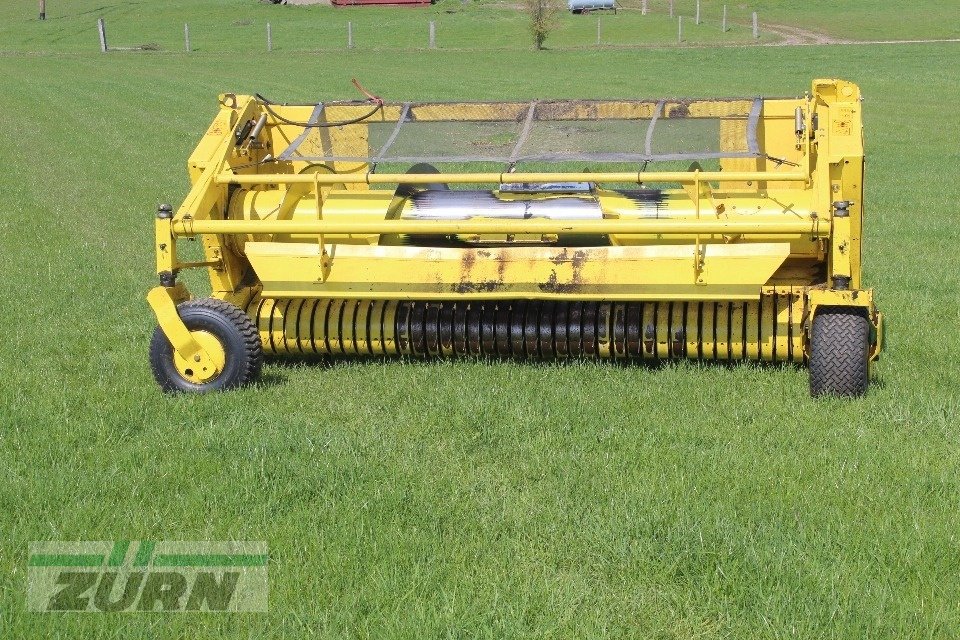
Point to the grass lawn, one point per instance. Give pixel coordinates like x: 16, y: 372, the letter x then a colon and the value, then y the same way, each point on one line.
x: 865, y: 19
x: 413, y: 499
x: 233, y: 26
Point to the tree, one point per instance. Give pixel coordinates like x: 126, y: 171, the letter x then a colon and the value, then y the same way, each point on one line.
x: 543, y: 19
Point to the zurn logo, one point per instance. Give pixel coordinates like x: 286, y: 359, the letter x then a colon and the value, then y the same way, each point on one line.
x: 147, y: 576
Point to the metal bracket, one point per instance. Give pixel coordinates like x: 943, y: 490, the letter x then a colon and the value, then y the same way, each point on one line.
x: 163, y: 302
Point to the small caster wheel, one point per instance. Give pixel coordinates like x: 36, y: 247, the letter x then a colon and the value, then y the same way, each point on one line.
x: 839, y: 352
x: 227, y: 335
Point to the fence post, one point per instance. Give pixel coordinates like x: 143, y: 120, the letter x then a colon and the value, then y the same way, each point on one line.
x: 102, y: 31
x: 698, y: 11
x: 349, y: 35
x: 433, y: 35
x: 671, y: 8
x: 186, y: 37
x: 723, y: 27
x: 269, y: 38
x: 43, y: 9
x: 679, y: 28
x: 643, y: 7
x: 756, y: 27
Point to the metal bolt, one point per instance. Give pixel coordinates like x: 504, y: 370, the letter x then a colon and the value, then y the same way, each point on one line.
x: 841, y: 209
x: 164, y: 212
x: 196, y: 358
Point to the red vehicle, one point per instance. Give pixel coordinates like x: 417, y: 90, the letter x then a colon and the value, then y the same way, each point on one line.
x: 351, y: 3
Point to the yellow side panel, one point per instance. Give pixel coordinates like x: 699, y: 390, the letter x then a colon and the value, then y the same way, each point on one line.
x: 731, y: 271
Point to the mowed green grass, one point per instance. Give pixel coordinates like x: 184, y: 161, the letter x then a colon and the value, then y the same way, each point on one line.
x: 240, y: 26
x: 863, y: 19
x: 233, y: 26
x: 472, y: 498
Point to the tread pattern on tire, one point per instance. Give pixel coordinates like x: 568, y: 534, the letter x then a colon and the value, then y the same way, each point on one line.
x: 839, y: 352
x: 250, y: 339
x: 248, y: 330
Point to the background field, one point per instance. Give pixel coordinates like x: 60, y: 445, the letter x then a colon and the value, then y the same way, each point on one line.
x: 231, y: 26
x: 410, y: 499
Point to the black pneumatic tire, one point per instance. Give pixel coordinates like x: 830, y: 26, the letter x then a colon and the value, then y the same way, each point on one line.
x: 839, y: 352
x: 237, y: 335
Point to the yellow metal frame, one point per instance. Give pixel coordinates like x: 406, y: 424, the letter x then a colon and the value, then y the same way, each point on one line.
x: 758, y: 223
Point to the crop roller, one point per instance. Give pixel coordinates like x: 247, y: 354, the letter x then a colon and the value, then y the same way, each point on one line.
x: 722, y: 229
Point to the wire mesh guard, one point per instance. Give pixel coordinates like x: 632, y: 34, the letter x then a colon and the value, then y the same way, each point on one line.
x: 539, y: 131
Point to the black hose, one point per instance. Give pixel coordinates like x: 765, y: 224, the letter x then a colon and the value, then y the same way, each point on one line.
x: 317, y: 125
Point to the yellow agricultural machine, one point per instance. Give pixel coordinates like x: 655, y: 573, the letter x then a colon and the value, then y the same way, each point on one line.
x: 641, y: 230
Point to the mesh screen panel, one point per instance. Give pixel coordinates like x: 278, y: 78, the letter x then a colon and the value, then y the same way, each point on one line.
x: 554, y: 131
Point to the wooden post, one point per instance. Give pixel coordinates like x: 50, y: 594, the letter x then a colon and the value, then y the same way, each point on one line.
x: 643, y: 7
x: 698, y: 11
x: 723, y: 27
x: 679, y: 28
x: 671, y: 8
x: 186, y: 37
x: 349, y: 35
x: 102, y: 30
x: 43, y: 9
x: 269, y: 38
x: 756, y: 26
x: 598, y: 31
x: 433, y: 34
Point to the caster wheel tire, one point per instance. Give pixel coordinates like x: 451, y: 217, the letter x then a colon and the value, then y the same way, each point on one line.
x: 839, y: 352
x: 228, y: 336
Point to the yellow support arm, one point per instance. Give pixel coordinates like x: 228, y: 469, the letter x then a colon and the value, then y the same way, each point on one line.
x: 163, y: 301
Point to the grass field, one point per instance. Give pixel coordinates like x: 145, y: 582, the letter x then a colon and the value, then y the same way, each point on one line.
x: 232, y: 26
x: 465, y: 499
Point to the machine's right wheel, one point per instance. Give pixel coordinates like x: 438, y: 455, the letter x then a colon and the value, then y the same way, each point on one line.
x: 839, y: 352
x: 229, y: 337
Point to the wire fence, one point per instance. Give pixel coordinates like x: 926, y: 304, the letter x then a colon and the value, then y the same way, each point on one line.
x: 633, y: 23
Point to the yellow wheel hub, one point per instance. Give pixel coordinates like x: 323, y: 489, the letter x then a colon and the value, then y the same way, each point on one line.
x: 199, y: 372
